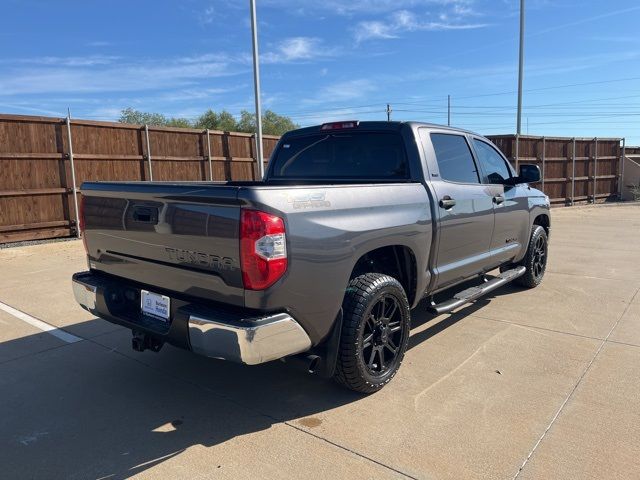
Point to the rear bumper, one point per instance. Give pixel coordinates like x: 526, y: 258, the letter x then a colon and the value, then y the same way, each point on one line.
x: 229, y: 334
x: 269, y: 338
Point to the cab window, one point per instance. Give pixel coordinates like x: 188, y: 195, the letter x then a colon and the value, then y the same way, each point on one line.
x: 454, y: 158
x: 491, y: 162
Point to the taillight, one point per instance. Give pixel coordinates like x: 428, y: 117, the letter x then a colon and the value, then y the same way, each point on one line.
x: 81, y: 223
x: 263, y: 249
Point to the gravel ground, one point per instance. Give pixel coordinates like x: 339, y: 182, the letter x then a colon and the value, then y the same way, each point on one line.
x: 27, y: 243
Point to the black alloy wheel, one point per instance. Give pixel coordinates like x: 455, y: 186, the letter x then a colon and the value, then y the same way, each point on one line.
x: 539, y: 257
x: 381, y: 336
x: 375, y: 332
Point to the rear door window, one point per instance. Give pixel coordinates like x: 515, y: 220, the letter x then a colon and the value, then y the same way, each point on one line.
x: 353, y: 155
x: 454, y: 158
x: 491, y: 162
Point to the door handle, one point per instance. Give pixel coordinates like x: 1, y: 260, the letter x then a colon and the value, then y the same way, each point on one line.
x: 447, y: 202
x: 498, y: 199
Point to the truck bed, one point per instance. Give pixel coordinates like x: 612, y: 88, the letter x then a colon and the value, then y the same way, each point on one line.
x: 182, y: 239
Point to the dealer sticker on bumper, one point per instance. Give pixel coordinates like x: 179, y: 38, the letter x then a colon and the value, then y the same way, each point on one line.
x: 155, y: 305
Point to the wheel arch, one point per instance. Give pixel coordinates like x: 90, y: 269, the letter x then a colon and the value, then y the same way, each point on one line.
x: 544, y: 221
x: 398, y: 261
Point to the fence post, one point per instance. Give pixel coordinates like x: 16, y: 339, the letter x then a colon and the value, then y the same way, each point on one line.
x: 595, y: 172
x: 73, y: 175
x: 544, y: 147
x: 255, y: 155
x: 209, y: 155
x: 621, y: 177
x: 146, y: 134
x: 573, y: 171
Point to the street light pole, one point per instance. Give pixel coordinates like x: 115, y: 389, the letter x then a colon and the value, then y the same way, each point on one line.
x: 520, y: 68
x: 256, y: 84
x: 520, y: 75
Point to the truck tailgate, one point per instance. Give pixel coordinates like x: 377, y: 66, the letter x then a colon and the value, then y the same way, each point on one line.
x: 179, y: 237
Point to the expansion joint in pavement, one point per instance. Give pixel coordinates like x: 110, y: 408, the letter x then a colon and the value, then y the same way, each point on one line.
x: 575, y: 387
x: 252, y: 410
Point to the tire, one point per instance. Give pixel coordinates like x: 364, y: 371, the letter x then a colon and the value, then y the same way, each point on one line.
x: 375, y: 332
x: 535, y: 261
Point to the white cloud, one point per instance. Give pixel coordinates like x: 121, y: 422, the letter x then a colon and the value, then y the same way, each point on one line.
x: 372, y: 30
x: 357, y: 7
x: 26, y: 108
x: 296, y: 49
x: 87, y: 61
x: 105, y: 113
x: 99, y: 43
x: 199, y: 94
x: 208, y: 15
x: 79, y: 75
x: 347, y: 90
x: 407, y: 21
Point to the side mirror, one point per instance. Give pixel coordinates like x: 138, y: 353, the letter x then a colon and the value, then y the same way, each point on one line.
x: 529, y: 173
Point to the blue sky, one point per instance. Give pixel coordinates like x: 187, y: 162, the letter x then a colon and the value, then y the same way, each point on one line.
x: 324, y: 60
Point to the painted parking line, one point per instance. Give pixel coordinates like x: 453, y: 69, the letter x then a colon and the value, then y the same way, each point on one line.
x: 36, y: 322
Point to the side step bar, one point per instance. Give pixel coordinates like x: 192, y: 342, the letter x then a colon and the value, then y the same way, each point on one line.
x: 472, y: 293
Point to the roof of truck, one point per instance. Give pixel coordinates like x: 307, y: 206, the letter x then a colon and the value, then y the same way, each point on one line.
x: 378, y: 125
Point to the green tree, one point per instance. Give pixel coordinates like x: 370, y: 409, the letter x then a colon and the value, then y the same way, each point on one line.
x: 217, y: 121
x: 130, y: 115
x: 247, y: 122
x: 272, y: 123
x: 179, y: 123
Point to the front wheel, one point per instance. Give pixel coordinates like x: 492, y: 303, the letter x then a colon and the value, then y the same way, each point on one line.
x: 535, y: 261
x: 375, y: 332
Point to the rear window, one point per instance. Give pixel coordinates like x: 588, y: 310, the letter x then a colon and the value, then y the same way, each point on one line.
x: 362, y: 155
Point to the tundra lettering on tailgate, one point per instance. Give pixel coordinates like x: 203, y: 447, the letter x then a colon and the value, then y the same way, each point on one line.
x: 200, y: 259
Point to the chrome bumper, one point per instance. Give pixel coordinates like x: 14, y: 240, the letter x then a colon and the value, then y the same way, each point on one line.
x: 85, y: 292
x: 263, y: 340
x: 251, y: 340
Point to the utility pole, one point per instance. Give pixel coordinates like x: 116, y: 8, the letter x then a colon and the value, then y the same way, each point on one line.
x: 520, y: 68
x: 256, y: 85
x: 74, y: 189
x: 389, y: 112
x: 520, y: 75
x: 449, y: 110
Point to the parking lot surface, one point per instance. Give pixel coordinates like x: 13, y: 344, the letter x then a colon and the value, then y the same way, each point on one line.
x: 541, y: 383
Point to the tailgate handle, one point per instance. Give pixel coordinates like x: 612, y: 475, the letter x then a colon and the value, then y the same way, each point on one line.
x: 145, y: 214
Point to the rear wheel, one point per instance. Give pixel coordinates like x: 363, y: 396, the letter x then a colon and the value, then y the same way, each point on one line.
x: 535, y: 261
x: 375, y: 332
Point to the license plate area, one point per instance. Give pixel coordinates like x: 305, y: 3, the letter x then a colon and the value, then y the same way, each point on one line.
x: 155, y: 305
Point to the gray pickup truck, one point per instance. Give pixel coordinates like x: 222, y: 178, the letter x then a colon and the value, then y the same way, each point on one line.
x: 321, y: 262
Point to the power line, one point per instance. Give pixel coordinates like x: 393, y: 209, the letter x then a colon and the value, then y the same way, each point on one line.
x: 542, y: 114
x: 578, y: 103
x: 568, y: 85
x: 333, y: 112
x: 432, y: 103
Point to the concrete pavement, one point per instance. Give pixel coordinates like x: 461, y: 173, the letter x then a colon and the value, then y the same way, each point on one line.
x: 539, y: 383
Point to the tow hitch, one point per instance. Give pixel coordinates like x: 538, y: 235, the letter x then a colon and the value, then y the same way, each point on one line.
x: 142, y: 341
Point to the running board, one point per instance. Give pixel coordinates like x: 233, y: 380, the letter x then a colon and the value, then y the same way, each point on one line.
x: 472, y: 293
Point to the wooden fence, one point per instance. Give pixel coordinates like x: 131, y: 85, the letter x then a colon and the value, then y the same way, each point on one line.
x: 36, y: 188
x: 574, y: 170
x: 36, y: 156
x: 632, y: 150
